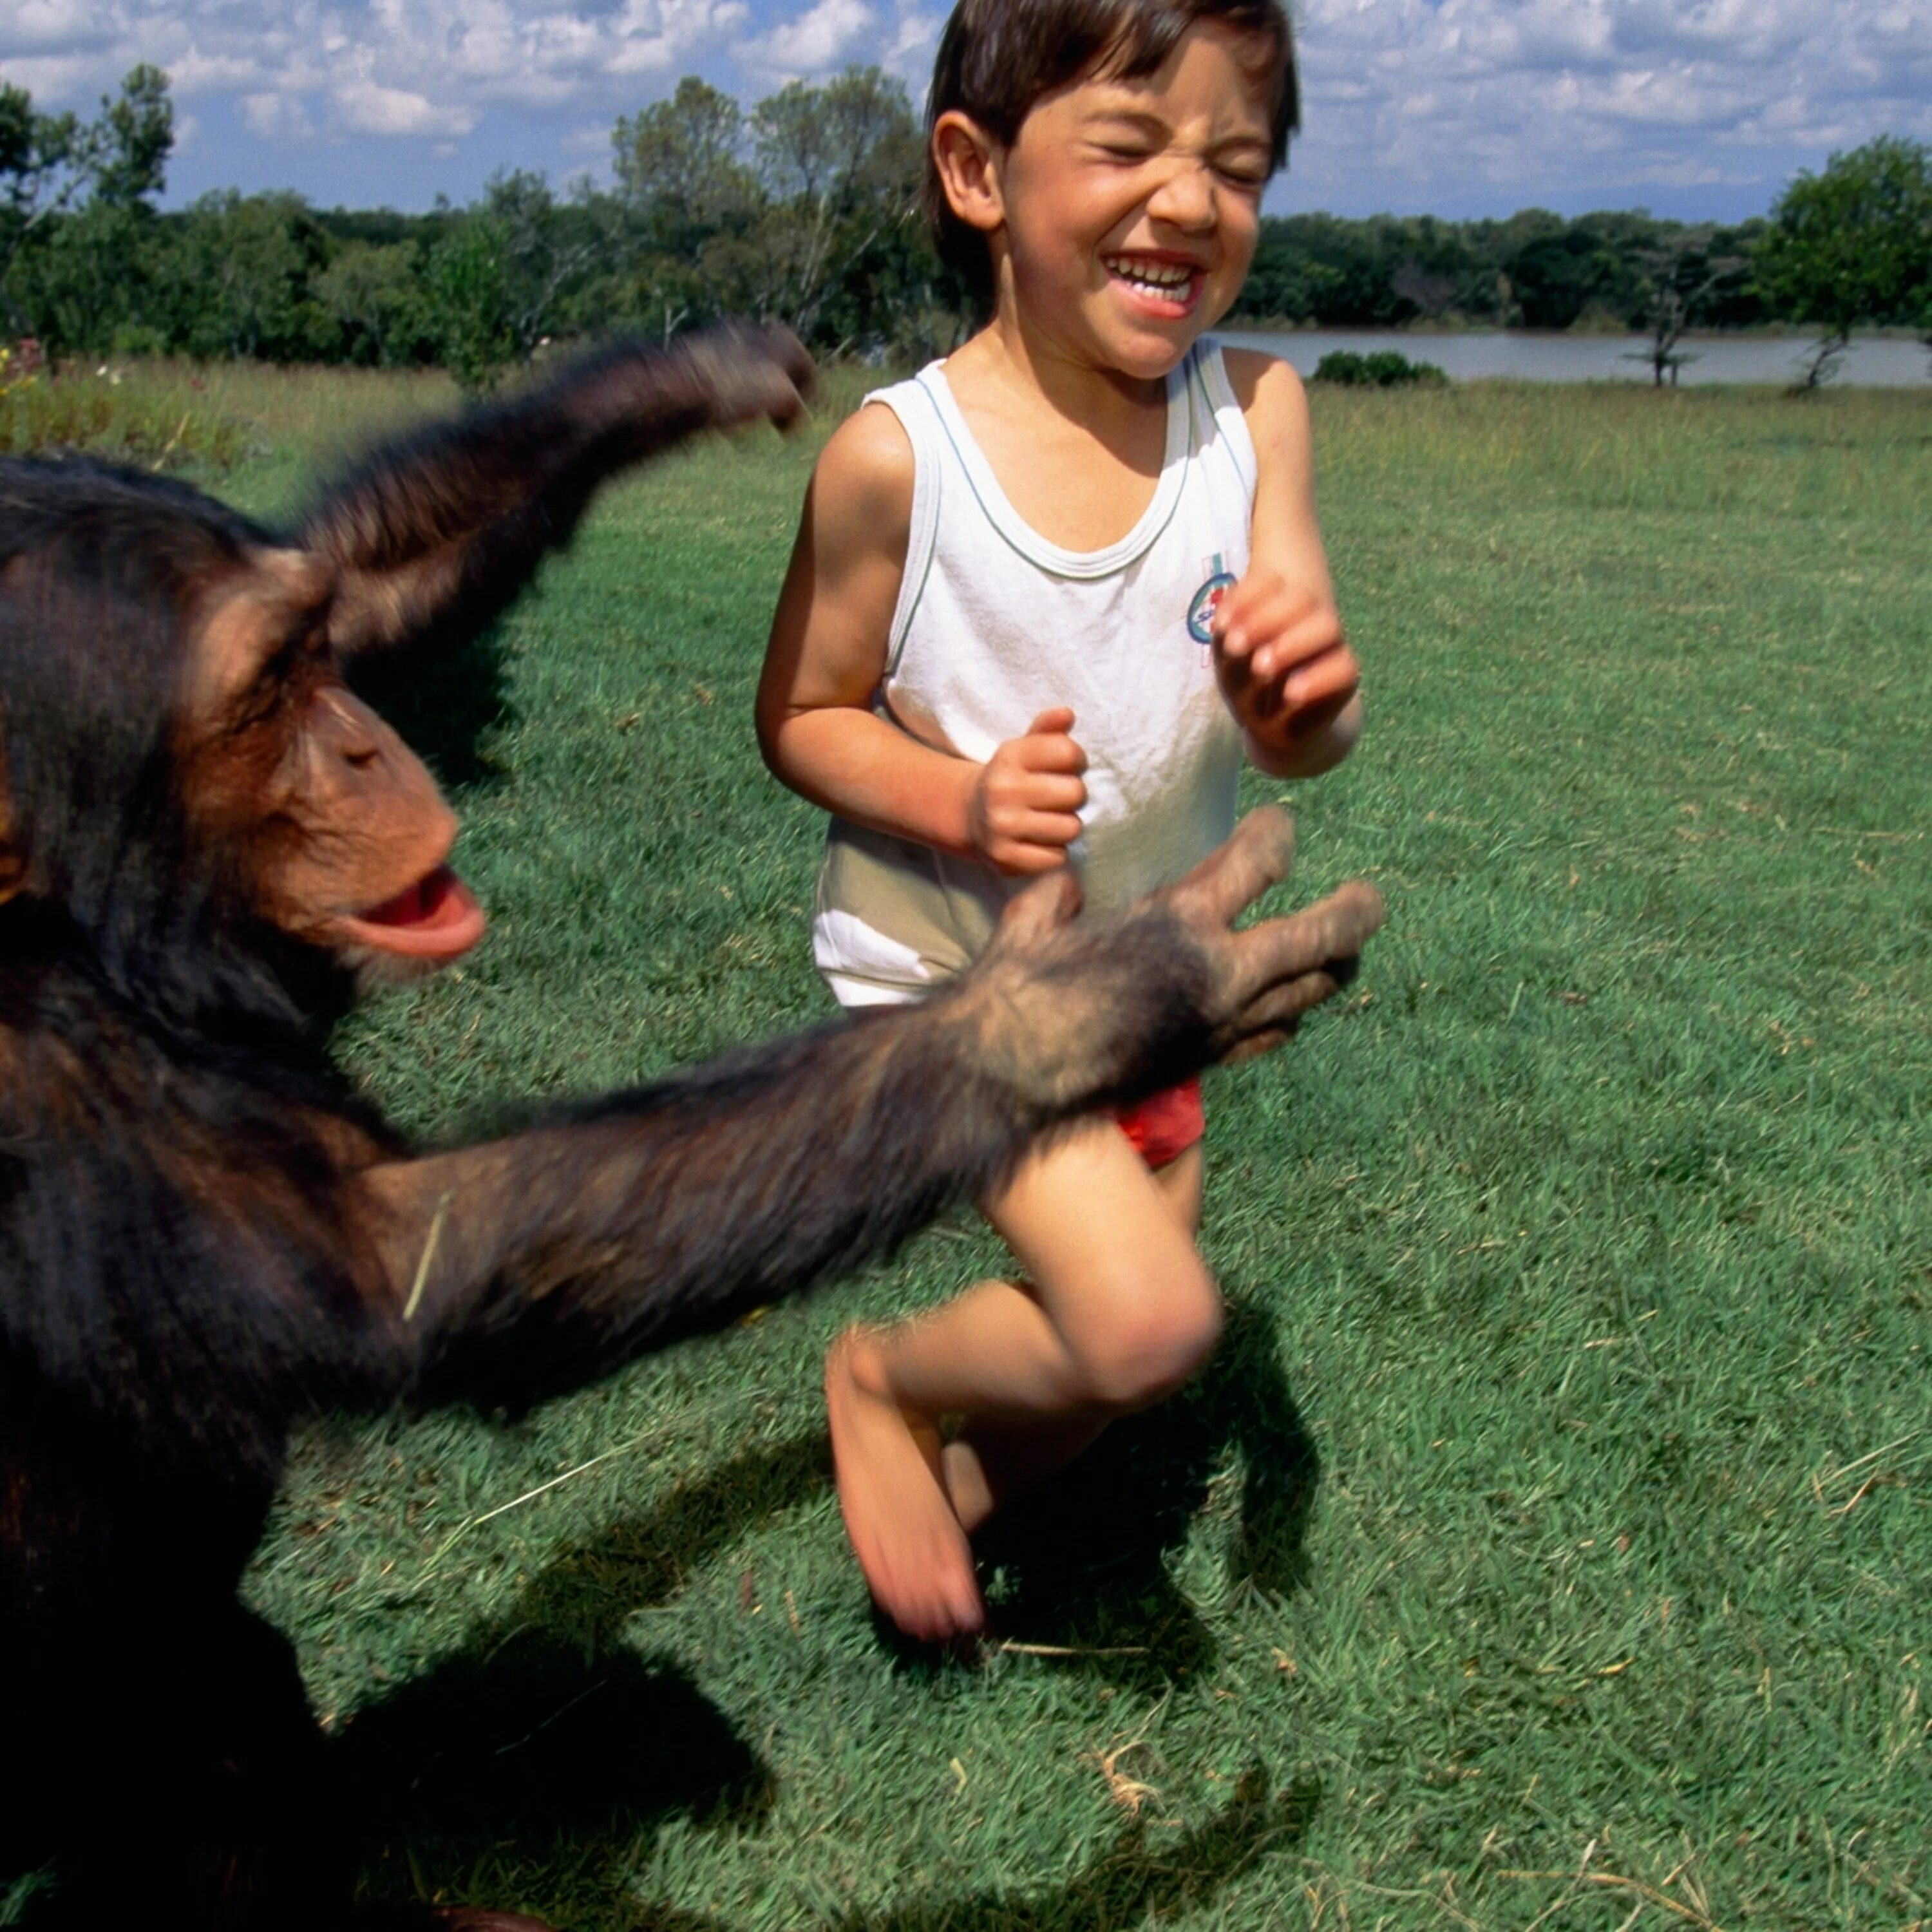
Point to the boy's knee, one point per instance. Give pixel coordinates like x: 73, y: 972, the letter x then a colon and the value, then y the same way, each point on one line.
x: 1156, y: 1342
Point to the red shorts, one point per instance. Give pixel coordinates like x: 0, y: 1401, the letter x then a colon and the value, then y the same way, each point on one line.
x: 1164, y: 1125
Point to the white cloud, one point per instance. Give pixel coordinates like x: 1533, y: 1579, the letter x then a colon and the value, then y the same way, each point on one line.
x: 32, y: 26
x: 829, y: 34
x: 366, y: 108
x: 1505, y: 102
x: 426, y: 69
x: 655, y: 36
x: 276, y: 117
x: 915, y: 40
x: 1408, y: 103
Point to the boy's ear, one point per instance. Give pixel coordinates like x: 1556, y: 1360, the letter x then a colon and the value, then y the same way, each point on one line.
x: 967, y: 159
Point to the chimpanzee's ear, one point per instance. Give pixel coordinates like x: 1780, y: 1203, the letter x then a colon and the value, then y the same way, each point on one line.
x: 240, y: 620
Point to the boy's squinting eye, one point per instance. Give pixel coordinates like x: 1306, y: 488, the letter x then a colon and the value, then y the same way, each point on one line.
x: 1242, y: 172
x: 1126, y: 137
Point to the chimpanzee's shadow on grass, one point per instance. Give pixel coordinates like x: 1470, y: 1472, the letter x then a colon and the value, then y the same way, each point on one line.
x: 445, y: 700
x: 562, y: 1753
x: 1082, y: 1565
x: 539, y: 1735
x: 590, y: 1591
x: 549, y: 1724
x: 1145, y: 1874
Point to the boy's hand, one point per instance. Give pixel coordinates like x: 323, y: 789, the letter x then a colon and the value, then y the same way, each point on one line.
x: 1024, y: 811
x: 1285, y: 666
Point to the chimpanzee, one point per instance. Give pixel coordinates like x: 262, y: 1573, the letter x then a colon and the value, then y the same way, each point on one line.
x: 207, y: 843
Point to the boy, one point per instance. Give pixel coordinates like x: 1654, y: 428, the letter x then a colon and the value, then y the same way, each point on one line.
x: 1042, y: 598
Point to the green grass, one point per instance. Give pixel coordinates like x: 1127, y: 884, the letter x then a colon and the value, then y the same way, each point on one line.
x: 1547, y: 1538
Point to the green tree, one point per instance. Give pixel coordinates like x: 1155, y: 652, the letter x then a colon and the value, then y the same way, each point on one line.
x: 549, y: 249
x: 806, y: 208
x: 237, y: 280
x: 126, y: 150
x: 36, y: 178
x: 511, y: 272
x: 1584, y: 265
x: 468, y: 306
x: 1851, y: 245
x: 682, y: 161
x: 85, y: 281
x: 373, y: 292
x: 840, y: 165
x: 50, y: 162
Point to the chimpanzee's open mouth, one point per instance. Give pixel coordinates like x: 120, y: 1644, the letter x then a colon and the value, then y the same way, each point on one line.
x: 437, y: 918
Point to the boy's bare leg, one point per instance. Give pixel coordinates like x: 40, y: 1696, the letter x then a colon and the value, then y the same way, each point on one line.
x: 1120, y: 1309
x: 909, y: 1544
x: 991, y: 1461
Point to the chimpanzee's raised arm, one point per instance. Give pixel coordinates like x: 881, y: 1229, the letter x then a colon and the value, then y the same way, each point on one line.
x: 430, y: 536
x: 522, y: 1266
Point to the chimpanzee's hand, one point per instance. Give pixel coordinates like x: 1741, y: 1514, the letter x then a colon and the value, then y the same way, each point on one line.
x: 1079, y: 1013
x: 746, y: 371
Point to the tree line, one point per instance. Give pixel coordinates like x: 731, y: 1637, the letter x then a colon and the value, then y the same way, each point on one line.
x: 804, y: 206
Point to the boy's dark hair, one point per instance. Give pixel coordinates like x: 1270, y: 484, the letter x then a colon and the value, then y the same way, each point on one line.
x: 997, y: 58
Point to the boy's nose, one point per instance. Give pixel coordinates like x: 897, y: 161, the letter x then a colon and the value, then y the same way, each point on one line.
x: 1186, y: 197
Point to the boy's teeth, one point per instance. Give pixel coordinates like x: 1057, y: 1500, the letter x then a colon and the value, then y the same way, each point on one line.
x: 1163, y: 276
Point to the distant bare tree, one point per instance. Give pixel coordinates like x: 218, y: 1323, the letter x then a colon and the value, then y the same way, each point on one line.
x: 1681, y: 275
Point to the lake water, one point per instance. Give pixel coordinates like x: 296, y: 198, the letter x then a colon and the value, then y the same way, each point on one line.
x: 1872, y: 361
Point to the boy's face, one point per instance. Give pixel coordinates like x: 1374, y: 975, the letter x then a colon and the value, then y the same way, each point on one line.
x: 1128, y: 208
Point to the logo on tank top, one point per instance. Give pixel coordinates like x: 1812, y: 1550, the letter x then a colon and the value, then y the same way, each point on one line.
x: 1207, y: 601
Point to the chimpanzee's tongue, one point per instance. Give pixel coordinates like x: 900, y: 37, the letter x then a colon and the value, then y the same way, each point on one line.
x: 435, y: 899
x: 437, y: 918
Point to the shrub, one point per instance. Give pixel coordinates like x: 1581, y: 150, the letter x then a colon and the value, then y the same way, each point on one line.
x: 1383, y: 369
x: 101, y: 415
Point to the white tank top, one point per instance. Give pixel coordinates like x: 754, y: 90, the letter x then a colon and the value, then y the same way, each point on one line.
x: 994, y: 625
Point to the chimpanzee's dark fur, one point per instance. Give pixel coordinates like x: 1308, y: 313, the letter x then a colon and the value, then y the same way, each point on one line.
x: 192, y: 1254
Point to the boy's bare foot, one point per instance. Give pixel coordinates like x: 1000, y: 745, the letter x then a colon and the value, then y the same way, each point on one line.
x: 917, y: 1560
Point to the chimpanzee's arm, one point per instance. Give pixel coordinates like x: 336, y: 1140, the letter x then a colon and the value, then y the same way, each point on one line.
x: 524, y: 1266
x: 432, y: 536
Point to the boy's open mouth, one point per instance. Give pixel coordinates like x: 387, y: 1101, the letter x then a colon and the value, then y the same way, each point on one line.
x: 1168, y: 282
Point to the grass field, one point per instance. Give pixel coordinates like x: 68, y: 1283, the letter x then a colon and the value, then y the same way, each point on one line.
x: 1543, y: 1548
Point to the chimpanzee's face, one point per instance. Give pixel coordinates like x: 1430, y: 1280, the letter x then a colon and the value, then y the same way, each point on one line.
x: 337, y: 827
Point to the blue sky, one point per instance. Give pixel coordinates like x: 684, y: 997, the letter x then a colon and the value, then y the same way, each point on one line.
x: 1454, y: 107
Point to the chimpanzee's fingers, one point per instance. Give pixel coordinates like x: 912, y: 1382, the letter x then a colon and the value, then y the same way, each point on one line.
x: 1257, y: 855
x: 1280, y: 952
x: 749, y: 371
x: 1272, y: 1017
x: 1049, y: 903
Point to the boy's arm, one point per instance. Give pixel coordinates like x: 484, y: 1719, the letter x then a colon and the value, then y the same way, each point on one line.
x: 816, y: 726
x: 1284, y: 663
